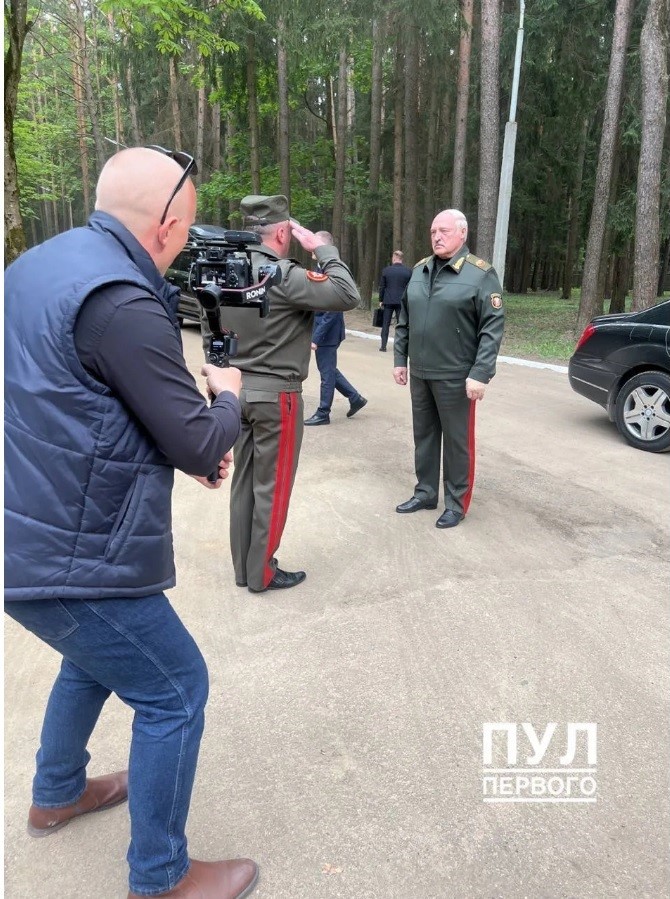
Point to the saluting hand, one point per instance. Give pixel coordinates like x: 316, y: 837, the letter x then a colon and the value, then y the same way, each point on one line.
x: 307, y: 239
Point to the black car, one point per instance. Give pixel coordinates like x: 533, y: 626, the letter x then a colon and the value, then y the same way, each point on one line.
x: 188, y: 308
x: 622, y: 362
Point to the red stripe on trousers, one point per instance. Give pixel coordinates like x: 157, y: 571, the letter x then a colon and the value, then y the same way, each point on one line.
x: 283, y: 470
x: 471, y: 455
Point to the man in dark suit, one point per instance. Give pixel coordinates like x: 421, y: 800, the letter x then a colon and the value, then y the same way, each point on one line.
x: 394, y: 280
x: 327, y: 335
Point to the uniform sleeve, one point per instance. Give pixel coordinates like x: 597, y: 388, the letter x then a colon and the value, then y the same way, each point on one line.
x: 332, y: 289
x: 491, y: 321
x: 401, y: 335
x: 138, y: 355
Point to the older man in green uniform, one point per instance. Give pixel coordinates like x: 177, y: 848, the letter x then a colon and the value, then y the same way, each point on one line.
x: 450, y: 329
x: 273, y: 355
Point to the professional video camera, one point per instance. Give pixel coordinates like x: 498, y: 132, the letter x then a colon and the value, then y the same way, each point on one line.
x: 222, y: 275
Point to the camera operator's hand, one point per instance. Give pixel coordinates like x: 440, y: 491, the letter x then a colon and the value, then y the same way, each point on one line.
x: 220, y: 379
x: 223, y: 473
x: 307, y: 239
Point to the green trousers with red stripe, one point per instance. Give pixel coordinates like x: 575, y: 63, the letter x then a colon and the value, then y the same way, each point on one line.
x: 265, y: 462
x: 443, y: 419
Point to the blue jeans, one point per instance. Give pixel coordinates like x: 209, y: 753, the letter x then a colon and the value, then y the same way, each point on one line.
x: 140, y: 650
x: 332, y: 379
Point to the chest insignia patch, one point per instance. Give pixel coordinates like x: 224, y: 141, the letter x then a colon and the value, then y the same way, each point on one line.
x: 317, y: 276
x: 496, y: 301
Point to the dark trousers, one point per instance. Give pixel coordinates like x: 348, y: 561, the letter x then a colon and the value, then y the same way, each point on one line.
x: 140, y: 650
x: 443, y: 419
x: 332, y: 379
x: 266, y: 459
x: 386, y: 322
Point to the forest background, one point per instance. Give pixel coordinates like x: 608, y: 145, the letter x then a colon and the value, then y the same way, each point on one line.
x: 371, y: 117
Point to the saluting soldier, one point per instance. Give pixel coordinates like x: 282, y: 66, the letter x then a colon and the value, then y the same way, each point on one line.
x: 273, y: 355
x: 450, y: 329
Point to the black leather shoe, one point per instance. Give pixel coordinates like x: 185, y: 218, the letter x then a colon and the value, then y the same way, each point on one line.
x: 414, y: 504
x: 448, y: 519
x: 382, y: 349
x: 283, y: 580
x: 356, y: 406
x: 240, y: 583
x: 317, y: 419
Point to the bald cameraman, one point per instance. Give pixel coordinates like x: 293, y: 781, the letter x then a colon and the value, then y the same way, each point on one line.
x: 273, y: 355
x: 100, y: 410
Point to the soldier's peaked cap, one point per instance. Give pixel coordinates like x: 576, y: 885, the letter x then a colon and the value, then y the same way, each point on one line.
x: 265, y: 210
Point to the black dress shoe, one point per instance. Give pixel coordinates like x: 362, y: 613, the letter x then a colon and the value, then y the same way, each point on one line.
x: 283, y: 580
x: 356, y: 406
x: 317, y: 419
x: 448, y: 519
x: 414, y: 504
x: 240, y: 583
x: 382, y: 349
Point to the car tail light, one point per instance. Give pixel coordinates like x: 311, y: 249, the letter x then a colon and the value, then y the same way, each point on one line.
x: 589, y: 331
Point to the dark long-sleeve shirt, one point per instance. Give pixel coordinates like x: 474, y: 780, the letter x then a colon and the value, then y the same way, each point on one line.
x: 125, y: 339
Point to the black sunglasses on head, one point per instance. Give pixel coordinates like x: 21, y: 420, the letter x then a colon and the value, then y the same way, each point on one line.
x: 186, y: 161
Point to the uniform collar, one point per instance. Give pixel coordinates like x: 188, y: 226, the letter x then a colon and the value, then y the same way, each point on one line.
x: 456, y: 262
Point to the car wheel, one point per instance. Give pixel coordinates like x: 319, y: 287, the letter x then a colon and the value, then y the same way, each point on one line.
x: 642, y: 411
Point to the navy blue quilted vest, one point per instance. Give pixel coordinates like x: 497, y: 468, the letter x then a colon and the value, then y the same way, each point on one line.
x: 87, y: 493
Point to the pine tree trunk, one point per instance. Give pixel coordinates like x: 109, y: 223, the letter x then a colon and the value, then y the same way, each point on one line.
x: 368, y: 261
x: 17, y: 27
x: 398, y: 111
x: 411, y: 167
x: 489, y: 125
x: 200, y: 129
x: 82, y: 137
x: 174, y: 103
x: 252, y: 99
x: 575, y: 204
x: 591, y: 300
x: 91, y: 106
x: 132, y: 105
x: 284, y: 131
x: 654, y: 62
x: 462, y: 96
x: 340, y: 151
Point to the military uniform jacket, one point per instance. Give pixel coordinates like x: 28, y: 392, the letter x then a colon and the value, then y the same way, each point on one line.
x: 275, y: 350
x: 451, y: 319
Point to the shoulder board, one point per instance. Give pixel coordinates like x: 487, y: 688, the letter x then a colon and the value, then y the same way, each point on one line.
x: 421, y: 261
x: 475, y: 260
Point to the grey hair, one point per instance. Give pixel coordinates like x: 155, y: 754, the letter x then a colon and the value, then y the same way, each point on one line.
x: 458, y: 216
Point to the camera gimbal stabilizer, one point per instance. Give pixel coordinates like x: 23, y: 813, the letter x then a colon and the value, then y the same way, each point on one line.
x: 222, y: 275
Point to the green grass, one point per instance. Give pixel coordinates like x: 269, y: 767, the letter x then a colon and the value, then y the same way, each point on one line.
x: 540, y: 327
x: 543, y: 326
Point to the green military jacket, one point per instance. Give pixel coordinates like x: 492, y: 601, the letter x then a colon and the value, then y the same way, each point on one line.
x: 451, y: 319
x: 275, y: 351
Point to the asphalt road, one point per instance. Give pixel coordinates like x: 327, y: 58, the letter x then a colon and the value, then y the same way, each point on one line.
x: 343, y: 745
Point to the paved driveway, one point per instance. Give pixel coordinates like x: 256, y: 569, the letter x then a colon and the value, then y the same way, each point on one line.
x: 343, y: 746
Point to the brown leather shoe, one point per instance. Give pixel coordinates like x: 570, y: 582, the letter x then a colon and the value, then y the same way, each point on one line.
x: 100, y: 793
x: 214, y: 880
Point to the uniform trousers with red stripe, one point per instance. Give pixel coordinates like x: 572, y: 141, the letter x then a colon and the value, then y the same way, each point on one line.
x: 443, y: 419
x: 265, y: 462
